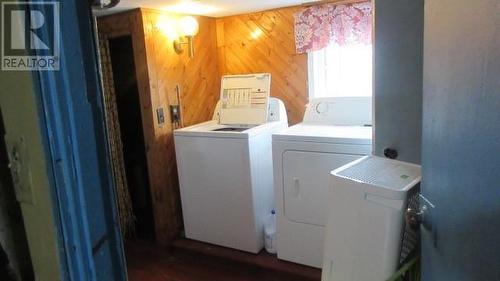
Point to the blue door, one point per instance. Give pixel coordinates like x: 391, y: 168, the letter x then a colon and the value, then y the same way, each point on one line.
x: 90, y: 241
x: 461, y: 141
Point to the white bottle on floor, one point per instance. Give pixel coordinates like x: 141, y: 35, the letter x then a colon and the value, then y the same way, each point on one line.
x: 270, y: 233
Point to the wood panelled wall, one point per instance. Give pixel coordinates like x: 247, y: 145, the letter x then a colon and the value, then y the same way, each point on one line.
x: 264, y: 42
x: 198, y: 77
x: 159, y: 70
x: 251, y: 43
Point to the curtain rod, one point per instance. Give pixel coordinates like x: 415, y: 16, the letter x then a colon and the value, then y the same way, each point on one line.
x: 338, y: 2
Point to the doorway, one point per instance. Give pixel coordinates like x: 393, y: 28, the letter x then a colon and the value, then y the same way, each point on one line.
x: 131, y: 133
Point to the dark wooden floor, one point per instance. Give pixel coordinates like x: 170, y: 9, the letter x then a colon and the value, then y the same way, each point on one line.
x: 190, y: 261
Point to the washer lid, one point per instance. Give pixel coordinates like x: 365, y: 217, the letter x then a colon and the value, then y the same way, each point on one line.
x: 213, y: 129
x: 245, y: 99
x: 326, y: 134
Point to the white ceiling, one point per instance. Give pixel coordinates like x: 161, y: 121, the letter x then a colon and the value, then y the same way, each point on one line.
x: 213, y: 8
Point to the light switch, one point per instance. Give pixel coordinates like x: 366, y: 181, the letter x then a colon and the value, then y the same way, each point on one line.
x: 160, y: 115
x: 175, y: 113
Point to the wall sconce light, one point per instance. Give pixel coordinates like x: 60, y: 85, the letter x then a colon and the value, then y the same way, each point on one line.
x: 187, y: 28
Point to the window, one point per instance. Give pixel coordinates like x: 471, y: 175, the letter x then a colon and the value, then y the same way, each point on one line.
x: 341, y: 71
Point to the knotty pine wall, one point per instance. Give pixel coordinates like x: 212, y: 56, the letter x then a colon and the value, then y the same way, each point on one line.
x: 264, y: 42
x: 250, y: 43
x: 159, y: 70
x: 199, y: 82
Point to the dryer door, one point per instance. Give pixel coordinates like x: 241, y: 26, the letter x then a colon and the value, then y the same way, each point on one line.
x: 306, y: 177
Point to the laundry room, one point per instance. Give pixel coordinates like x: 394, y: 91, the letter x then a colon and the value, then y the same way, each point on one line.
x: 255, y: 140
x: 198, y: 100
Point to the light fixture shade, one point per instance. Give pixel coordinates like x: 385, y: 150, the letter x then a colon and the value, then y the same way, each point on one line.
x: 188, y: 26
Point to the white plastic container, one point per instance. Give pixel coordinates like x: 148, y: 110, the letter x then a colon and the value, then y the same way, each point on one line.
x: 270, y: 233
x: 365, y: 221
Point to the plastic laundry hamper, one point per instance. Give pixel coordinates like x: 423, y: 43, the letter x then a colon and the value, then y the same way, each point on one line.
x: 368, y: 198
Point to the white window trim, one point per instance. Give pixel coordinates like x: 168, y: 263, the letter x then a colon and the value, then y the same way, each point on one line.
x: 315, y: 77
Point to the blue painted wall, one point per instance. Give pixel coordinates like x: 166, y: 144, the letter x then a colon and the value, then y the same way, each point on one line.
x: 397, y: 80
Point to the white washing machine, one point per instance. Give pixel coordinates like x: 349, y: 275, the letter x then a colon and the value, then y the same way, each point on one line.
x: 334, y: 132
x: 225, y: 165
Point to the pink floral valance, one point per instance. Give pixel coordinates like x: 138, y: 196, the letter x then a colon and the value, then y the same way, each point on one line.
x: 318, y: 26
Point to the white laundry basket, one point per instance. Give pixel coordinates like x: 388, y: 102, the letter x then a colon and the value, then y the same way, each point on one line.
x: 365, y: 221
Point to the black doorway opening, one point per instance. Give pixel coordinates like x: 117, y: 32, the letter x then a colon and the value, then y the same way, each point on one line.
x: 131, y: 129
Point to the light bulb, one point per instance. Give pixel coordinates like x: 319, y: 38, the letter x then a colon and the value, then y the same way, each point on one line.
x: 188, y: 26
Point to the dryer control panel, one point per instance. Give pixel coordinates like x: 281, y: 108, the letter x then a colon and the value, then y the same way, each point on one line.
x: 340, y: 111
